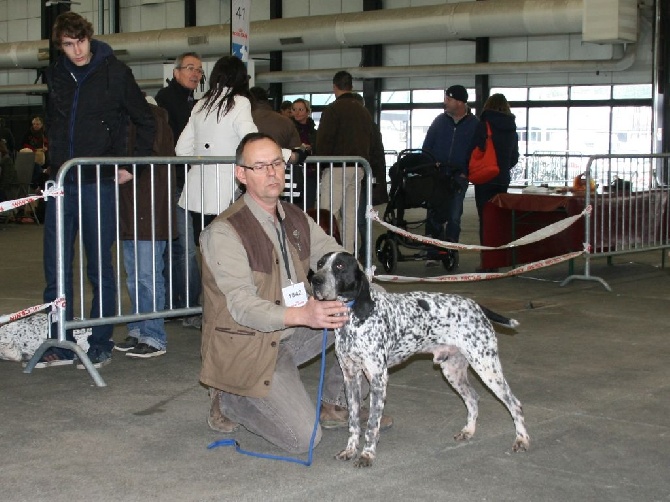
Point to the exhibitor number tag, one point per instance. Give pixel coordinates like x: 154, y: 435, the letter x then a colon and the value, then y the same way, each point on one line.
x: 295, y: 295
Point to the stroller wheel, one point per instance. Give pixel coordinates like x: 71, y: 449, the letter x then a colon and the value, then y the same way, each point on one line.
x: 387, y: 253
x: 450, y: 261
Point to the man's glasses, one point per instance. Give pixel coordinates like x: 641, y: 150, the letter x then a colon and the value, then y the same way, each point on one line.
x: 276, y: 165
x: 192, y: 69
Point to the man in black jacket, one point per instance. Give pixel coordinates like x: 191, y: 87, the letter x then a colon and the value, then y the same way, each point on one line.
x: 91, y: 96
x: 177, y: 98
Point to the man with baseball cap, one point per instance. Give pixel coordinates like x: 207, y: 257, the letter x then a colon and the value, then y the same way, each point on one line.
x: 457, y: 92
x: 450, y: 139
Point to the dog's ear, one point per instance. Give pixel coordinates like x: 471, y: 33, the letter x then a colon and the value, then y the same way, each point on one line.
x: 363, y: 304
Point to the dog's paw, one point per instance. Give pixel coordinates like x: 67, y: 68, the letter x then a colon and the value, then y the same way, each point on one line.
x: 365, y: 460
x: 347, y: 454
x: 521, y: 444
x: 464, y: 435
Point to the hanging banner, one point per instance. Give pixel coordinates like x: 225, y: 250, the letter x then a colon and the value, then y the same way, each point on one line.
x: 240, y: 11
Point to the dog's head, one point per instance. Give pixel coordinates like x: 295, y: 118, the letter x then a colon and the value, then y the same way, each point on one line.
x: 339, y: 277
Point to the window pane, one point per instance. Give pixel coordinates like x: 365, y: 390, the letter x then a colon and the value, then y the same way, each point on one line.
x: 548, y: 93
x: 590, y: 92
x: 512, y: 93
x: 589, y: 130
x: 322, y: 99
x: 520, y: 119
x: 632, y: 91
x: 293, y: 97
x: 395, y: 130
x: 547, y: 130
x: 428, y: 96
x: 395, y: 97
x: 631, y: 129
x: 421, y: 120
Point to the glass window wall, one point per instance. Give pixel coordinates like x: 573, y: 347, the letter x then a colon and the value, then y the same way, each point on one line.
x: 577, y: 119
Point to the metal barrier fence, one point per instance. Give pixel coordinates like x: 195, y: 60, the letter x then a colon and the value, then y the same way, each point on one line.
x: 630, y: 199
x: 549, y: 168
x: 332, y: 183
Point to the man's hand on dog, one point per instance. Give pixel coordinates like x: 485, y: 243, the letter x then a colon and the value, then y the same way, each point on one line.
x: 329, y: 314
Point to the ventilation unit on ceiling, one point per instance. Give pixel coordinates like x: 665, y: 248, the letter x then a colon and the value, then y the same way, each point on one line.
x: 609, y: 21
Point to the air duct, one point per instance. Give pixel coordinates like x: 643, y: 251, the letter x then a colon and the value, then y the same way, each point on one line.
x: 449, y: 21
x: 615, y: 65
x: 498, y: 68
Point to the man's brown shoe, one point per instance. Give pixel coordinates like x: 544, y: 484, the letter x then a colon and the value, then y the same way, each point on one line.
x: 216, y: 420
x: 337, y: 417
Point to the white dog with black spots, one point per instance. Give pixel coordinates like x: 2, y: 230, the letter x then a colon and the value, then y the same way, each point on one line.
x: 385, y: 329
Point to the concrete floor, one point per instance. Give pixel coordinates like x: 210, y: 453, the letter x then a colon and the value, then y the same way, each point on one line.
x: 591, y: 367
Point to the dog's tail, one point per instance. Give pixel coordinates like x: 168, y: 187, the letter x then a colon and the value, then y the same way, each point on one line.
x: 498, y: 318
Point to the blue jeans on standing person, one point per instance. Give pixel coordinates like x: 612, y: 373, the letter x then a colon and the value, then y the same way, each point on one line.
x: 151, y: 331
x: 98, y: 259
x: 448, y: 210
x: 183, y: 255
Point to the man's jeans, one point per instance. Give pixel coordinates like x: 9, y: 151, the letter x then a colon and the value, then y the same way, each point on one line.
x: 180, y: 259
x: 286, y: 416
x: 448, y: 211
x: 104, y: 290
x: 152, y: 331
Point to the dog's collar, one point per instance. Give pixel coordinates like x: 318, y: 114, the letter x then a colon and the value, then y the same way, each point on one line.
x: 350, y: 304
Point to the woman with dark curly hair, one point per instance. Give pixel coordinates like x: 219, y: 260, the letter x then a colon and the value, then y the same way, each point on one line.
x: 217, y: 124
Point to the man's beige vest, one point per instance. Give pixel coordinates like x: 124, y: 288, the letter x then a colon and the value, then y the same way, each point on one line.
x: 236, y: 358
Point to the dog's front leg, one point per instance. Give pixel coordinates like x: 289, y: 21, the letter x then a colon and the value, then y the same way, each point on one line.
x: 352, y: 387
x: 378, y: 382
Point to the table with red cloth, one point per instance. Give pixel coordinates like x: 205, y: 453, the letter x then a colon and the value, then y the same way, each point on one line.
x: 510, y: 216
x: 618, y: 222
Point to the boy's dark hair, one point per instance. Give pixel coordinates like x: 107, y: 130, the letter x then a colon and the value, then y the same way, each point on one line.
x: 343, y: 81
x: 71, y: 25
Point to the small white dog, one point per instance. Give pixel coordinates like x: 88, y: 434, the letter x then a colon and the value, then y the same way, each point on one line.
x: 20, y: 339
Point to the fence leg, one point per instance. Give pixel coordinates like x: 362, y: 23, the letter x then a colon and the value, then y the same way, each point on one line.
x: 587, y: 276
x: 83, y: 357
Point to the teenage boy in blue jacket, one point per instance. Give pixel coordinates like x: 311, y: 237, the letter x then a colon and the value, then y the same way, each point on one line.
x: 91, y: 97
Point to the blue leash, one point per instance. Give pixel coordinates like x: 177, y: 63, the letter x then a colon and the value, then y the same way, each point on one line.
x: 308, y: 462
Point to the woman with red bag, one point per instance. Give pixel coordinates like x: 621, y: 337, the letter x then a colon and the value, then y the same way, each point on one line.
x: 497, y: 114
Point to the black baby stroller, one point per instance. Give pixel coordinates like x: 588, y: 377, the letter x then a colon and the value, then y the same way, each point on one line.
x: 416, y: 182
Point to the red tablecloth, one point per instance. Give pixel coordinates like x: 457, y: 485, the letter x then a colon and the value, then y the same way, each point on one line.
x: 618, y: 222
x: 510, y: 216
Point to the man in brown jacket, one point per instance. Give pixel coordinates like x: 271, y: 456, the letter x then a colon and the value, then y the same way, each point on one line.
x: 272, y: 123
x: 144, y: 216
x: 260, y: 323
x: 345, y: 128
